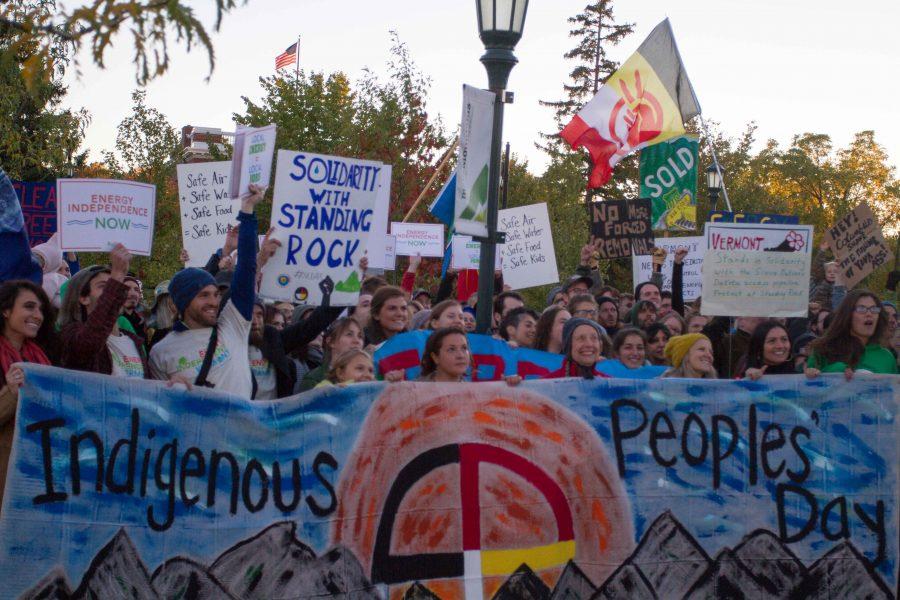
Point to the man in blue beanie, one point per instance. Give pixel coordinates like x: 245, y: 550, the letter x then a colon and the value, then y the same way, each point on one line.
x: 180, y: 355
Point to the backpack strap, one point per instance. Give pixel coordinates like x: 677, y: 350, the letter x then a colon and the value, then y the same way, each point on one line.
x: 207, y: 359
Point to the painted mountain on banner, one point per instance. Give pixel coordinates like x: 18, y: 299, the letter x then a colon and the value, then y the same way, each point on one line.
x: 667, y: 563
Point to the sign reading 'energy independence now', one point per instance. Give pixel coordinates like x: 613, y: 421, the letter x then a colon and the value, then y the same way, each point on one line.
x: 322, y: 213
x: 95, y: 214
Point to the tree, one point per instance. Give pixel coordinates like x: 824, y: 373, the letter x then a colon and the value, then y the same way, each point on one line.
x: 38, y: 140
x: 34, y: 24
x: 382, y: 120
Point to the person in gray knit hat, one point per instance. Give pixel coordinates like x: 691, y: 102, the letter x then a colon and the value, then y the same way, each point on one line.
x: 582, y: 344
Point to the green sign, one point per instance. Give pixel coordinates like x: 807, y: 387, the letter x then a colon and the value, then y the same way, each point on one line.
x: 669, y: 179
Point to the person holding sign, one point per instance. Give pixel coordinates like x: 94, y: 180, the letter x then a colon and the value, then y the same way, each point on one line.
x: 209, y: 344
x: 853, y: 341
x: 691, y: 357
x: 26, y: 336
x: 582, y: 345
x: 91, y: 306
x: 768, y: 353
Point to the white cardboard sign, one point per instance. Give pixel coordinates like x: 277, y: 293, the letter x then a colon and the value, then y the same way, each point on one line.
x: 466, y: 253
x: 322, y: 212
x: 473, y: 166
x: 380, y: 218
x: 93, y: 215
x: 528, y: 256
x: 642, y: 266
x: 206, y: 208
x: 755, y: 270
x: 252, y: 158
x: 426, y: 239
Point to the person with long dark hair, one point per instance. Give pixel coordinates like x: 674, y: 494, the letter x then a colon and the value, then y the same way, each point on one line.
x: 768, y: 352
x: 853, y: 341
x: 341, y: 336
x: 548, y: 334
x: 446, y: 357
x: 27, y: 335
x: 388, y: 315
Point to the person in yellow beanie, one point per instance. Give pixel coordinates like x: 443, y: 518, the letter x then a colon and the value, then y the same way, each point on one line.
x: 691, y: 356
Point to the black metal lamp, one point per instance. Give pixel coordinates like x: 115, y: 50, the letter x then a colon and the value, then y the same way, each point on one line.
x: 713, y: 183
x: 500, y: 24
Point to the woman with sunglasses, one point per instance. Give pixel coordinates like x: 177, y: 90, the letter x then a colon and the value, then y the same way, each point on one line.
x: 853, y: 341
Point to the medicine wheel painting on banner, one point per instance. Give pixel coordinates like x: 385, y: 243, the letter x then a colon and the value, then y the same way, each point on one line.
x: 460, y: 490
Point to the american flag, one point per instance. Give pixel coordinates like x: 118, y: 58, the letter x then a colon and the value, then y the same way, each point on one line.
x: 287, y: 58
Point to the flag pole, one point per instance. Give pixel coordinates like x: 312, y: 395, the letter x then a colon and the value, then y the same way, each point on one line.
x: 702, y: 120
x: 297, y: 64
x: 434, y: 176
x: 712, y: 150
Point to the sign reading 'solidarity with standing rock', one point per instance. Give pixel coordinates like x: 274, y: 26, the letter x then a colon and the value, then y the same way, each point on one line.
x: 322, y: 212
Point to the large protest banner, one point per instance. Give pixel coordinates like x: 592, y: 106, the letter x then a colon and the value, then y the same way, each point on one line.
x: 756, y: 270
x: 38, y: 202
x: 668, y: 175
x: 724, y: 216
x: 473, y: 164
x: 95, y: 214
x: 858, y: 244
x: 668, y: 488
x: 206, y: 208
x: 622, y: 227
x: 322, y: 211
x: 528, y: 258
x: 692, y: 282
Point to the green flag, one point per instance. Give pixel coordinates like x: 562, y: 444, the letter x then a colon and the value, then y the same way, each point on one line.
x: 669, y: 179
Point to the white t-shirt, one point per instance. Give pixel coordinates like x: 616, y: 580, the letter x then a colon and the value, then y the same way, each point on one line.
x: 181, y: 352
x: 126, y: 360
x: 262, y: 369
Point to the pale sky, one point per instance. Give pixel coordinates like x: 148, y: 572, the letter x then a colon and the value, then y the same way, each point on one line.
x: 823, y: 66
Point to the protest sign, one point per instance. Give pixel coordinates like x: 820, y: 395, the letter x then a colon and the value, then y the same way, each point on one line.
x: 206, y: 208
x: 668, y: 175
x: 668, y: 488
x: 465, y: 253
x: 38, y: 202
x: 251, y: 158
x: 756, y: 270
x: 380, y: 219
x: 622, y: 227
x: 858, y: 244
x: 426, y: 239
x: 692, y: 283
x: 390, y: 252
x: 528, y: 258
x: 473, y: 165
x: 322, y: 211
x: 96, y: 214
x: 724, y: 216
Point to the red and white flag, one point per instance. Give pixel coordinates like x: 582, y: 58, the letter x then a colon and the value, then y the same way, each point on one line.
x: 288, y: 57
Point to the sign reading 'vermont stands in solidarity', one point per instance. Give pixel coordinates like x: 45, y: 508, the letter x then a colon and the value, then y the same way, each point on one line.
x: 322, y: 213
x: 752, y: 270
x: 95, y: 214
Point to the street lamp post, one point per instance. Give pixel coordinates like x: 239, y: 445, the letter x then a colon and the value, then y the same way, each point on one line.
x: 500, y: 24
x: 713, y: 183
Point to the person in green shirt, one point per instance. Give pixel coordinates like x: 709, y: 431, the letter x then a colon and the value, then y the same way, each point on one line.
x: 853, y: 342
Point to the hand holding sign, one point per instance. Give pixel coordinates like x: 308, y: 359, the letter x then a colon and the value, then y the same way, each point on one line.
x: 119, y: 261
x: 253, y: 197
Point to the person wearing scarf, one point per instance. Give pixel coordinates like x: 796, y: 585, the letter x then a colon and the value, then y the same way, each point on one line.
x: 582, y: 344
x: 26, y: 319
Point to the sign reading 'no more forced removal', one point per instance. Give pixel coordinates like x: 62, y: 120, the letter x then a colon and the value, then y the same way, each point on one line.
x: 95, y: 214
x: 622, y: 227
x: 858, y: 244
x: 756, y: 270
x: 206, y: 208
x: 322, y: 212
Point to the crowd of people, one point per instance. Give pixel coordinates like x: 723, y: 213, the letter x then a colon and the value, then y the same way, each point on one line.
x: 208, y: 327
